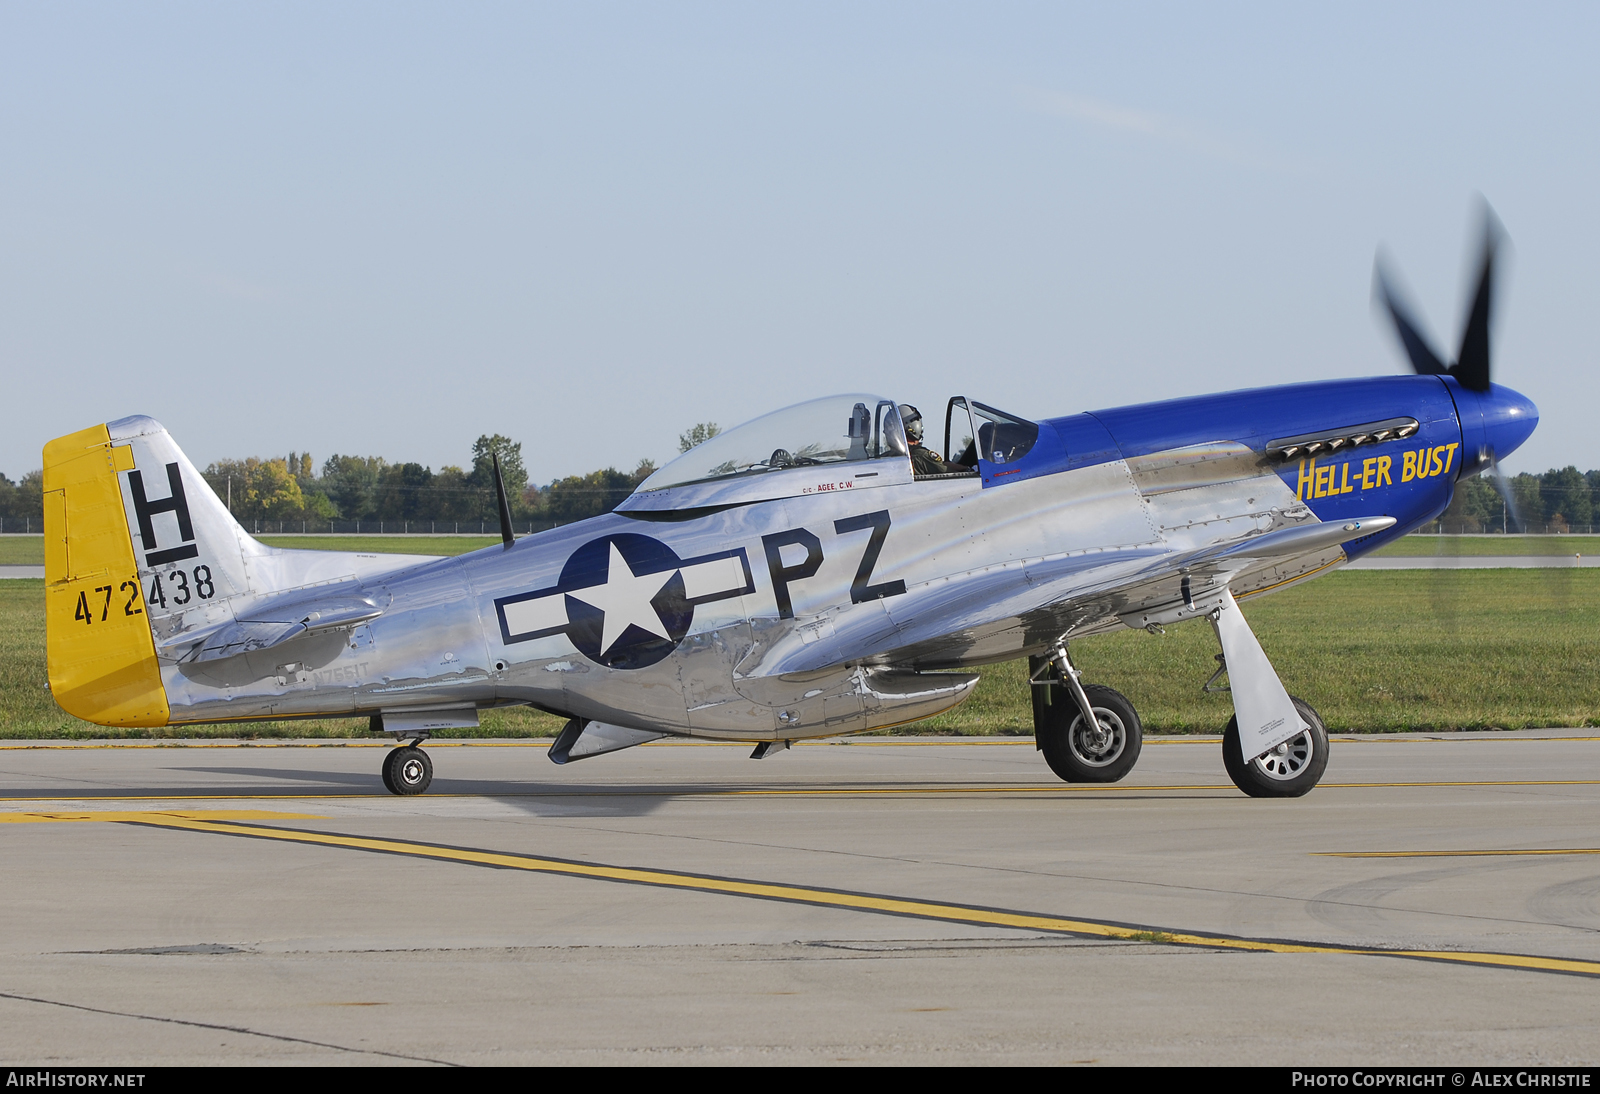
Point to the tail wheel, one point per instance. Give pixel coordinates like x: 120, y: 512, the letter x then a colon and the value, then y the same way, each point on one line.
x: 407, y: 770
x: 1081, y: 753
x: 1287, y: 771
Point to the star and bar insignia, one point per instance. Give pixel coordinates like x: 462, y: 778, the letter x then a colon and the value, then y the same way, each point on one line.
x: 625, y: 601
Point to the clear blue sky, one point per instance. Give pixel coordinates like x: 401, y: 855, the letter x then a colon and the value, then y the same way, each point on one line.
x: 387, y: 228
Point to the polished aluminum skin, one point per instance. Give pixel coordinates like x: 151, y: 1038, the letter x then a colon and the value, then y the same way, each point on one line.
x: 796, y: 596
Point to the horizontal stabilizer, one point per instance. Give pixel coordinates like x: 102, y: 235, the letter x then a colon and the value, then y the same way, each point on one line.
x: 271, y: 625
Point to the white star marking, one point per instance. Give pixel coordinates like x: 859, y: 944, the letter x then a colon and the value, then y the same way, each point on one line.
x: 625, y: 598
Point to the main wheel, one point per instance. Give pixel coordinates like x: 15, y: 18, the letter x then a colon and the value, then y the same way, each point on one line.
x: 1080, y: 753
x: 1287, y: 771
x: 407, y: 770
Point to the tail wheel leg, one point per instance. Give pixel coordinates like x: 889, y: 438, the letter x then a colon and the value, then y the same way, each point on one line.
x: 407, y: 770
x: 1287, y: 771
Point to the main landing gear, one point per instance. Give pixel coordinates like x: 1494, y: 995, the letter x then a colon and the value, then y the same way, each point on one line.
x: 407, y: 770
x: 1088, y: 733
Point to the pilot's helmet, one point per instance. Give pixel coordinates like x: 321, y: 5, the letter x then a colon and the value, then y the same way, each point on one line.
x: 911, y: 418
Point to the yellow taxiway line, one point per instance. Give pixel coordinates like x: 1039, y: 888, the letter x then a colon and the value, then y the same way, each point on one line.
x: 202, y: 821
x: 149, y: 817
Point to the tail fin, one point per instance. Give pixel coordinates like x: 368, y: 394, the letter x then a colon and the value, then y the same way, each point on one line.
x: 139, y: 551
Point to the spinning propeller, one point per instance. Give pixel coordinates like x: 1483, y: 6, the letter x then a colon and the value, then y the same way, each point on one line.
x: 1471, y: 366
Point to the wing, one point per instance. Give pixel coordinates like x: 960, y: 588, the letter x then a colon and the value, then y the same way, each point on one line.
x: 956, y: 621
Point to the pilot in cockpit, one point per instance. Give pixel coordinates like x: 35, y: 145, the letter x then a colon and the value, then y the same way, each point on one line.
x: 924, y: 461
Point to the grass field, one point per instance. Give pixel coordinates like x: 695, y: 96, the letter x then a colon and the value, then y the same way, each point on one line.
x: 1414, y: 546
x: 1372, y: 651
x: 21, y: 550
x: 1381, y: 651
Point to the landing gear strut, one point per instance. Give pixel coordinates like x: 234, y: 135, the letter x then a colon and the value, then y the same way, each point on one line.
x: 407, y: 770
x: 1259, y: 759
x: 1101, y: 747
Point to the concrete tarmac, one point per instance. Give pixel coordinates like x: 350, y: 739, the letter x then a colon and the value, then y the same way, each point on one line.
x: 1435, y: 901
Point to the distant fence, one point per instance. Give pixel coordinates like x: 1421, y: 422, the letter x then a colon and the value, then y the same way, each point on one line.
x: 392, y: 527
x: 1449, y: 528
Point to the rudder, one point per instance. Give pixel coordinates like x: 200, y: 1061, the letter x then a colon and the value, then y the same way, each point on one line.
x: 100, y: 651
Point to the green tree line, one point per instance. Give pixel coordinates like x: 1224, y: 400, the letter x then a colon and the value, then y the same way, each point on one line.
x: 24, y: 498
x: 1560, y: 500
x: 370, y: 488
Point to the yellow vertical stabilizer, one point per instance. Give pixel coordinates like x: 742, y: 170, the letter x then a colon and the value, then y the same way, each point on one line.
x: 102, y: 657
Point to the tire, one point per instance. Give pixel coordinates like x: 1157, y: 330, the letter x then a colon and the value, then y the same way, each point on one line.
x: 1075, y: 754
x: 1289, y: 770
x: 407, y: 771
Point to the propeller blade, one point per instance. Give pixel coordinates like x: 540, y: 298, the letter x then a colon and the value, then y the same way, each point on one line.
x: 1472, y: 363
x: 1502, y: 486
x: 1423, y: 360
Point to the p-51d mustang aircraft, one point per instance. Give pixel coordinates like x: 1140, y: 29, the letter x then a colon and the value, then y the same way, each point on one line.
x: 795, y: 577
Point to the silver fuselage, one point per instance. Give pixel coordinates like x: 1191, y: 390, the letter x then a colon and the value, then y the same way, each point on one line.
x: 965, y: 574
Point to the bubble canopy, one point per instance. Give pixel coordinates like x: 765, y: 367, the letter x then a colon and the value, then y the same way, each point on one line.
x: 838, y: 429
